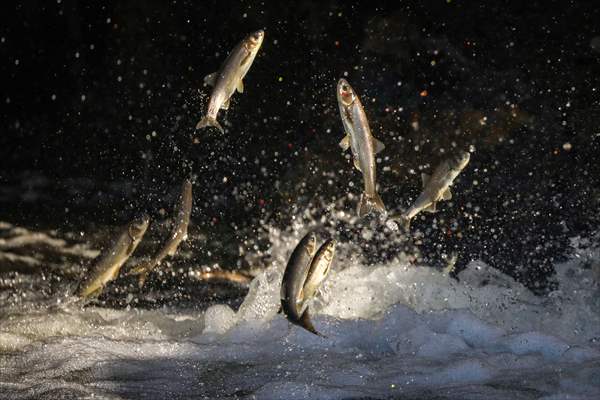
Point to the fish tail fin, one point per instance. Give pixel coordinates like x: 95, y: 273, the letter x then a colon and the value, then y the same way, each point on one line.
x: 209, y: 121
x: 369, y: 203
x: 378, y: 204
x: 142, y: 279
x: 306, y: 323
x: 142, y: 271
x: 404, y: 222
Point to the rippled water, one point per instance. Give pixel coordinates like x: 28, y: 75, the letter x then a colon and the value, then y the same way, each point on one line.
x: 99, y: 107
x: 394, y: 330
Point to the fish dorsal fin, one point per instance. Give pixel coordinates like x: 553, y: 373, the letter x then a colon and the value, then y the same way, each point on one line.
x: 378, y: 146
x: 210, y: 79
x: 431, y: 208
x: 447, y: 195
x: 356, y: 163
x: 345, y: 142
x: 225, y: 105
x: 131, y: 247
x: 240, y: 86
x: 425, y: 179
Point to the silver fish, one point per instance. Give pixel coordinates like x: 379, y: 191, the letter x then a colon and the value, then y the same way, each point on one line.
x: 319, y: 268
x: 364, y: 146
x: 178, y: 234
x: 294, y: 277
x: 108, y: 264
x: 436, y: 187
x: 229, y: 78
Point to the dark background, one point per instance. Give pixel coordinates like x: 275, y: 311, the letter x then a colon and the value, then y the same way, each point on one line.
x: 99, y: 101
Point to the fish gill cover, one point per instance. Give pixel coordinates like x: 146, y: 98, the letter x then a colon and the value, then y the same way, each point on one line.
x: 99, y: 105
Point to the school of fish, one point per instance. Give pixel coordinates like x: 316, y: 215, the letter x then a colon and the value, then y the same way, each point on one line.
x: 308, y: 266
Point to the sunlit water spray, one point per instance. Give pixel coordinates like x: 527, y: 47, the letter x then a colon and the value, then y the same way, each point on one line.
x: 393, y: 329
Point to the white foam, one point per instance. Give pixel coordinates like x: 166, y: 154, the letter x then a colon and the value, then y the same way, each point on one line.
x: 218, y: 319
x: 392, y: 330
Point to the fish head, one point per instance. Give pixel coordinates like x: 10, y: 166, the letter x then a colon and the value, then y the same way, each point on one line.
x: 311, y: 244
x: 345, y: 94
x: 329, y: 249
x: 254, y: 40
x: 137, y: 227
x: 460, y: 160
x: 308, y: 244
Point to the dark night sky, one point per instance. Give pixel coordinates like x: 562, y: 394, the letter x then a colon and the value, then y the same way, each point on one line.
x: 112, y: 90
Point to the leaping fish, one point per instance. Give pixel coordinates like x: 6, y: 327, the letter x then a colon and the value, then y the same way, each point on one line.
x: 229, y: 78
x: 294, y: 277
x: 364, y: 146
x: 306, y: 270
x: 319, y: 268
x: 108, y: 264
x: 436, y: 187
x: 177, y: 235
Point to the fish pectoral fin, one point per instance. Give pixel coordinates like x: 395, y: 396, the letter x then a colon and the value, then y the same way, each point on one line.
x: 356, y: 163
x: 246, y: 58
x: 431, y: 208
x: 345, y: 142
x: 133, y: 243
x: 240, y: 86
x: 425, y: 178
x: 210, y: 79
x: 378, y: 146
x: 225, y: 105
x: 447, y: 195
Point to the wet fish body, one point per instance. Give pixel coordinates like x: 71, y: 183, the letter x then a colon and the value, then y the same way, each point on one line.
x: 318, y: 271
x: 364, y: 146
x: 437, y: 186
x: 177, y: 235
x: 108, y: 265
x: 292, y: 284
x: 230, y: 78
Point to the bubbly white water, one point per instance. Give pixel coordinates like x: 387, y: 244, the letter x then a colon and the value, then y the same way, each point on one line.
x: 393, y: 331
